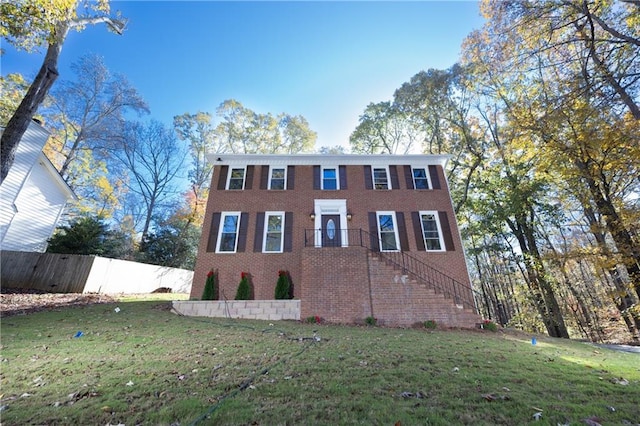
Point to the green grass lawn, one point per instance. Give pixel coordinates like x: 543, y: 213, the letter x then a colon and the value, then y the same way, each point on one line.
x: 146, y: 365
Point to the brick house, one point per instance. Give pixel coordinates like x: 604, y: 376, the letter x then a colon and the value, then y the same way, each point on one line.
x: 360, y: 235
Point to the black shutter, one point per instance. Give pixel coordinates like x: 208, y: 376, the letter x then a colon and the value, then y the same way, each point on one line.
x: 264, y: 177
x: 402, y: 231
x: 435, y: 179
x: 343, y: 177
x: 288, y: 232
x: 393, y: 171
x: 417, y: 230
x: 213, y: 232
x: 373, y: 231
x: 446, y: 231
x: 248, y: 179
x: 368, y: 179
x: 222, y: 181
x: 291, y: 177
x: 316, y: 177
x: 408, y: 177
x: 242, y: 232
x: 257, y: 240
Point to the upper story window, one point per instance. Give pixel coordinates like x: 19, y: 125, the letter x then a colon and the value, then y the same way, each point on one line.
x: 387, y: 231
x: 236, y: 179
x: 380, y: 178
x: 330, y: 178
x: 420, y: 178
x: 228, y: 238
x: 431, y: 231
x: 273, y: 232
x: 277, y: 178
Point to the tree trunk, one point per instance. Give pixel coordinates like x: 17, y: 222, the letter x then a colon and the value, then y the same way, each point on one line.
x: 34, y: 97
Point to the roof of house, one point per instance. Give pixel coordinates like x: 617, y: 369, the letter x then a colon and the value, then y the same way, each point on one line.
x: 326, y: 159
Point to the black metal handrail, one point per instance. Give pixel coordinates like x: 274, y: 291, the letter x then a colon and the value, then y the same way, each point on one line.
x: 410, y: 266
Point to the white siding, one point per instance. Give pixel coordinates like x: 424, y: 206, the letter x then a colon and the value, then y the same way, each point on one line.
x: 27, y: 154
x: 39, y: 205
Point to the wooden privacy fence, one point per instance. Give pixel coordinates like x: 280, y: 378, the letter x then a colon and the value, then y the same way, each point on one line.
x: 66, y: 273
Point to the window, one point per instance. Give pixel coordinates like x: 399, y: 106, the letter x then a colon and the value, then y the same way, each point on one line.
x: 273, y: 232
x: 420, y: 178
x: 236, y: 179
x: 228, y: 239
x: 388, y: 231
x: 431, y: 231
x: 277, y: 178
x: 380, y: 179
x: 329, y: 179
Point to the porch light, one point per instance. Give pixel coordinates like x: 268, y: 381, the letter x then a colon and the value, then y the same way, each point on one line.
x: 349, y: 216
x: 312, y: 216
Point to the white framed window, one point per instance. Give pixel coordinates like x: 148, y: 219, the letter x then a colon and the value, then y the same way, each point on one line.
x: 236, y: 178
x: 273, y: 239
x: 387, y: 231
x: 380, y: 178
x: 431, y: 231
x: 277, y: 177
x: 330, y: 178
x: 420, y: 178
x: 228, y: 233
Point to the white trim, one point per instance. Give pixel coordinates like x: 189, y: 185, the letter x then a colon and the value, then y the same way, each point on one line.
x: 271, y: 169
x: 395, y: 228
x: 244, y: 177
x: 428, y: 175
x: 435, y: 214
x: 338, y: 207
x: 265, y: 230
x: 378, y: 160
x: 223, y: 215
x: 337, y: 170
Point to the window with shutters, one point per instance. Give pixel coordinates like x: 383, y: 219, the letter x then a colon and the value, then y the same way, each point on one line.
x: 420, y: 178
x: 278, y: 178
x: 236, y: 179
x: 380, y: 178
x: 431, y: 231
x: 228, y: 237
x: 273, y: 232
x: 330, y: 178
x: 387, y: 231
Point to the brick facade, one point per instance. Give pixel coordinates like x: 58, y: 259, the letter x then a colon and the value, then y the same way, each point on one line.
x: 336, y: 283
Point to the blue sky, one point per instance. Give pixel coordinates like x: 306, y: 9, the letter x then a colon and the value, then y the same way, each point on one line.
x: 323, y: 60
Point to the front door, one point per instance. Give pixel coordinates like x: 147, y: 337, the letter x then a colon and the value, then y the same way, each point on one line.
x: 331, y: 230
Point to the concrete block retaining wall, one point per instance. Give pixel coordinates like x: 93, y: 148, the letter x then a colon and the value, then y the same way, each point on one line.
x: 272, y: 310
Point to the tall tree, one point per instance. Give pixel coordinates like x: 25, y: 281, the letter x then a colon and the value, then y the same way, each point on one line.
x: 153, y: 160
x: 29, y: 24
x: 385, y: 129
x: 12, y: 87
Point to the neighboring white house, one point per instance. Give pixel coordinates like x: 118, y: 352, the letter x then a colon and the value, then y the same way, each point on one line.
x: 32, y: 196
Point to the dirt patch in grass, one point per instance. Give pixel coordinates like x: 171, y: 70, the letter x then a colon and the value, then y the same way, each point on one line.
x: 23, y: 301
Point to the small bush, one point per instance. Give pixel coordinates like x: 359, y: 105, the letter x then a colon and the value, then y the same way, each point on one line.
x: 210, y: 286
x: 489, y: 325
x: 371, y: 321
x: 244, y: 288
x: 430, y: 324
x: 314, y: 319
x: 282, y: 286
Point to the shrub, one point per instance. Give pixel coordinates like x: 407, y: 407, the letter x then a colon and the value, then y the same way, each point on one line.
x: 314, y: 319
x: 244, y: 288
x: 210, y: 286
x: 371, y: 321
x: 489, y: 325
x: 282, y: 287
x: 430, y: 324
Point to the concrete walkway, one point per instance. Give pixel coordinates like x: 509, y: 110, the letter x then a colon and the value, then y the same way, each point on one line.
x: 622, y: 348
